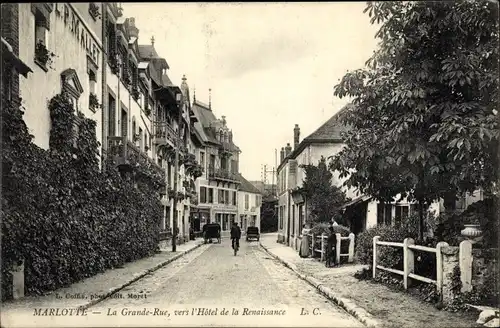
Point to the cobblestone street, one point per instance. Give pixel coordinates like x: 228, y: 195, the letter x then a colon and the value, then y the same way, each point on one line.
x: 212, y: 278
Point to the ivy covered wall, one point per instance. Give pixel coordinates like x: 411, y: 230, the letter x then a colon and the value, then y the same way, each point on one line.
x: 61, y: 214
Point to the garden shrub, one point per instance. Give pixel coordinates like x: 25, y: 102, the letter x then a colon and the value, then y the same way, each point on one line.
x: 61, y: 214
x: 482, y: 213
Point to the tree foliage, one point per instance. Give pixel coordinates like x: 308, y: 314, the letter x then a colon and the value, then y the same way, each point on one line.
x: 424, y: 120
x: 323, y: 199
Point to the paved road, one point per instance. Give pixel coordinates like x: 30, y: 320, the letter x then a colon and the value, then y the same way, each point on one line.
x: 197, y: 289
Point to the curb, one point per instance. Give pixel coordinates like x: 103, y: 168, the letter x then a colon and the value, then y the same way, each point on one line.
x: 359, y: 313
x: 139, y: 276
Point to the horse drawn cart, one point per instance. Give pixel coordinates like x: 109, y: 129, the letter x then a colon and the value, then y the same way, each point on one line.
x: 211, y: 231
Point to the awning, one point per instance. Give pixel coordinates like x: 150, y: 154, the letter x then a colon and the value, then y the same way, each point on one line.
x: 21, y: 67
x: 355, y: 201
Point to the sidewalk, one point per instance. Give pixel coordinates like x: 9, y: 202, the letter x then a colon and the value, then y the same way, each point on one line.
x: 373, y: 304
x: 92, y: 290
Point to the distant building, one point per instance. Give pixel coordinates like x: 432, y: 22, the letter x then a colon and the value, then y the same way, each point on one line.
x: 249, y: 204
x: 218, y: 186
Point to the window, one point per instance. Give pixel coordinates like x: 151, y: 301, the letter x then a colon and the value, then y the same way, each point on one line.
x: 203, y: 194
x: 401, y: 213
x: 233, y: 167
x: 202, y: 159
x: 224, y: 221
x: 40, y: 29
x: 234, y: 197
x: 92, y: 81
x: 221, y: 196
x: 210, y: 195
x: 256, y: 198
x: 280, y: 210
x: 226, y: 197
x: 301, y: 218
x: 246, y: 201
x: 212, y: 161
x: 231, y: 220
x: 141, y: 143
x: 218, y: 218
x: 111, y: 116
x: 384, y: 214
x: 388, y: 214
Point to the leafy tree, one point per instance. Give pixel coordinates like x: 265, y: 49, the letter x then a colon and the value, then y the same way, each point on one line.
x: 424, y: 120
x: 269, y: 215
x: 323, y: 199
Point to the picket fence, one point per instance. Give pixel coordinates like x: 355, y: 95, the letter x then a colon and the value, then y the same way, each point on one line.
x: 322, y: 251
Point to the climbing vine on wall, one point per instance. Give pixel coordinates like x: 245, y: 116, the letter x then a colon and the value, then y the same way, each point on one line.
x: 65, y: 217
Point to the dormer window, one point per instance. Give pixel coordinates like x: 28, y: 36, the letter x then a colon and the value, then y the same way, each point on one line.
x: 71, y: 86
x: 221, y: 135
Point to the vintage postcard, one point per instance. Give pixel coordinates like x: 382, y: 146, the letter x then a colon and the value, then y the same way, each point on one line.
x: 328, y: 164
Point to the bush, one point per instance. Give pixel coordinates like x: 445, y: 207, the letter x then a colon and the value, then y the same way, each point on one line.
x: 323, y: 227
x: 65, y: 217
x: 482, y: 212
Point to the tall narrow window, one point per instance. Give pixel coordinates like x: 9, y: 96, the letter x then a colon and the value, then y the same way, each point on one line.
x: 246, y: 201
x: 210, y: 195
x: 203, y: 194
x: 234, y: 197
x: 111, y: 116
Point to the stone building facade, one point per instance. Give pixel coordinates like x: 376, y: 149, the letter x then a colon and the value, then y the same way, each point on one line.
x: 218, y: 155
x: 93, y: 53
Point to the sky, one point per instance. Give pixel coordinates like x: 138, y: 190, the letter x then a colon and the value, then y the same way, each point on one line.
x: 270, y: 66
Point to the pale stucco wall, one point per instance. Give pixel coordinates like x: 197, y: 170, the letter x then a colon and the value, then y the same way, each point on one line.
x: 41, y: 86
x: 252, y: 210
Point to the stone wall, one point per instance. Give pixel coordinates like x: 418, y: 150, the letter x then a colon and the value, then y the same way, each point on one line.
x: 484, y: 262
x: 465, y: 269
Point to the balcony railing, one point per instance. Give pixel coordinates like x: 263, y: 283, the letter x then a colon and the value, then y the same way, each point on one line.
x: 125, y: 152
x: 163, y: 132
x: 221, y: 174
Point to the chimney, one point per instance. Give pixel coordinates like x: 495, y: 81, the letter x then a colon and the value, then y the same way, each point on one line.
x: 282, y: 154
x: 288, y: 150
x: 132, y: 29
x: 296, y: 135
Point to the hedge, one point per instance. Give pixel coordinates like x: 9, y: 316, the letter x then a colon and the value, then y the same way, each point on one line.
x: 64, y: 216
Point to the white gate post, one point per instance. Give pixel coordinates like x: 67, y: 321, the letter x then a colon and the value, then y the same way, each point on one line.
x: 351, y: 248
x: 375, y: 255
x: 408, y: 260
x: 465, y: 263
x: 337, y: 248
x: 322, y: 257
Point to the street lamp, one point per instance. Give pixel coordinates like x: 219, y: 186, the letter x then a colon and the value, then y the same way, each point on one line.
x: 178, y: 100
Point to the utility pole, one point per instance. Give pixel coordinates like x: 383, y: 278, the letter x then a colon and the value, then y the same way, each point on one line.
x: 178, y: 99
x: 264, y: 175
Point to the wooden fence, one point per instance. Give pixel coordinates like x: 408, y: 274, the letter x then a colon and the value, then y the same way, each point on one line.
x: 322, y: 251
x: 408, y: 271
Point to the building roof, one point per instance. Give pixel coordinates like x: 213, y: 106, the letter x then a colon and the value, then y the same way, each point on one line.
x: 329, y: 132
x: 147, y: 51
x: 246, y: 186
